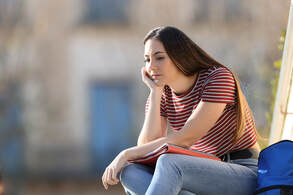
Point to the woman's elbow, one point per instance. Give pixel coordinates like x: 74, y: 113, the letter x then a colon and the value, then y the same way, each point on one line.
x: 183, y: 142
x: 187, y: 143
x: 142, y: 141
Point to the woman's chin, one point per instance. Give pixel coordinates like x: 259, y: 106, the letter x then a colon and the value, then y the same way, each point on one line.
x: 159, y: 83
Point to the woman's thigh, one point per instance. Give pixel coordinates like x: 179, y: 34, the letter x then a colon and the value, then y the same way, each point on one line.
x: 208, y: 177
x: 136, y: 178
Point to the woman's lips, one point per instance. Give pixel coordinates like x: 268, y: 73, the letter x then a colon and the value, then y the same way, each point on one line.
x: 155, y: 76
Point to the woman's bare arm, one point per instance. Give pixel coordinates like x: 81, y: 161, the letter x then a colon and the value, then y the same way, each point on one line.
x: 155, y: 125
x: 197, y: 125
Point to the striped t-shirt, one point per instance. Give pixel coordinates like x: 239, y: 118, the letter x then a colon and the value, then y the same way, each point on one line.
x: 215, y: 84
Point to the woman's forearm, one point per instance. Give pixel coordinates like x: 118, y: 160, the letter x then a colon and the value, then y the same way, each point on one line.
x: 152, y: 128
x: 177, y: 138
x: 140, y: 150
x: 188, y: 135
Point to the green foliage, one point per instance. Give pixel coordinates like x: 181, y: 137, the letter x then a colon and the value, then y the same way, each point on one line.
x: 278, y: 63
x: 274, y: 82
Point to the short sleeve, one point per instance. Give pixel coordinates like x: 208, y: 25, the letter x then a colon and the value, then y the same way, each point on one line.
x: 219, y: 87
x: 162, y: 106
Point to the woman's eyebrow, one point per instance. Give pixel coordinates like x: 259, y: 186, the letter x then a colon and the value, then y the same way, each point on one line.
x: 157, y: 52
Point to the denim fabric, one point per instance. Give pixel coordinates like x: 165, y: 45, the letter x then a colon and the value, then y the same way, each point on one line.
x: 187, y: 175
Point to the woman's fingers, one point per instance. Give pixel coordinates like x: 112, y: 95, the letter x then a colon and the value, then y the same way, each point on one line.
x: 110, y: 175
x: 143, y: 74
x: 104, y: 178
x: 149, y: 81
x: 146, y: 79
x: 114, y: 176
x: 142, y: 70
x: 109, y: 178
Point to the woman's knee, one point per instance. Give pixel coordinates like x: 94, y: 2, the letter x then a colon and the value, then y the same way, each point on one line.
x: 168, y: 159
x: 165, y: 158
x: 135, y: 178
x: 127, y: 172
x: 168, y: 162
x: 133, y: 173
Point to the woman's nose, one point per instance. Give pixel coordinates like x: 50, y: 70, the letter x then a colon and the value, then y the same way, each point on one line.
x: 152, y: 66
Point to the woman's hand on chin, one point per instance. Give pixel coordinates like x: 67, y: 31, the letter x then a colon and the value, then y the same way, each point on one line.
x: 111, y: 172
x: 152, y: 84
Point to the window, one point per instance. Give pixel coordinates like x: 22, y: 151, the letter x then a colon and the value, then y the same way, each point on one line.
x: 233, y: 10
x: 11, y: 131
x: 111, y: 122
x: 106, y: 11
x: 11, y: 12
x: 201, y: 13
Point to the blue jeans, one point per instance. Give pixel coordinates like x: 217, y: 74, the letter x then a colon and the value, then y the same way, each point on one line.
x: 187, y: 175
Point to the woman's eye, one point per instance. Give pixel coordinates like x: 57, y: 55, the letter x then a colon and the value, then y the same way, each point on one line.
x: 147, y: 60
x: 160, y: 58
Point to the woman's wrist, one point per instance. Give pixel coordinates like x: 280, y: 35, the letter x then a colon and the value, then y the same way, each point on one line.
x: 131, y: 153
x: 158, y: 91
x: 127, y: 155
x: 124, y: 155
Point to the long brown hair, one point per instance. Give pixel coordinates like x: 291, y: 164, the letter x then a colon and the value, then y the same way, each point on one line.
x: 189, y: 58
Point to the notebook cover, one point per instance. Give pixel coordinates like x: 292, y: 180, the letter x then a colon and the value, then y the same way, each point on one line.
x: 151, y: 158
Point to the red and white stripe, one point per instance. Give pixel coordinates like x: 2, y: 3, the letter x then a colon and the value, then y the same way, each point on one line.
x: 215, y: 84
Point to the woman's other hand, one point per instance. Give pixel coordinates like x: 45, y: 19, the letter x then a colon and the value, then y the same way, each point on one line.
x: 152, y: 84
x: 111, y: 172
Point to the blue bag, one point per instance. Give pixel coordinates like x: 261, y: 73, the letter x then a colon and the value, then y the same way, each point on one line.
x: 275, y: 169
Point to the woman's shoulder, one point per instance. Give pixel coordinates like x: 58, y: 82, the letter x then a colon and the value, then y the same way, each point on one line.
x: 218, y: 69
x: 217, y: 74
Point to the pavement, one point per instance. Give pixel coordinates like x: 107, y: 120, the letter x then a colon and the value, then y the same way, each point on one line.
x: 64, y: 188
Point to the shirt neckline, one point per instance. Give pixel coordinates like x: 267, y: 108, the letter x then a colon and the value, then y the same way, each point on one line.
x: 189, y: 90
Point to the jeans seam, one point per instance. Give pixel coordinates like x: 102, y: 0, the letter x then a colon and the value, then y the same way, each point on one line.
x: 206, y: 169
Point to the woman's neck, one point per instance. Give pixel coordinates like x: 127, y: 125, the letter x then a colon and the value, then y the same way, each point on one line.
x: 183, y: 84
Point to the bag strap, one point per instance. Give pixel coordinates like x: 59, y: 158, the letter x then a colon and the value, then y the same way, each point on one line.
x: 284, y: 189
x: 286, y: 192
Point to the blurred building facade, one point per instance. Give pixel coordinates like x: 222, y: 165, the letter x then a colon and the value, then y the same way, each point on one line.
x: 81, y: 92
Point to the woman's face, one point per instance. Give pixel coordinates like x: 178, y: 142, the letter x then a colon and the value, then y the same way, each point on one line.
x: 158, y: 64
